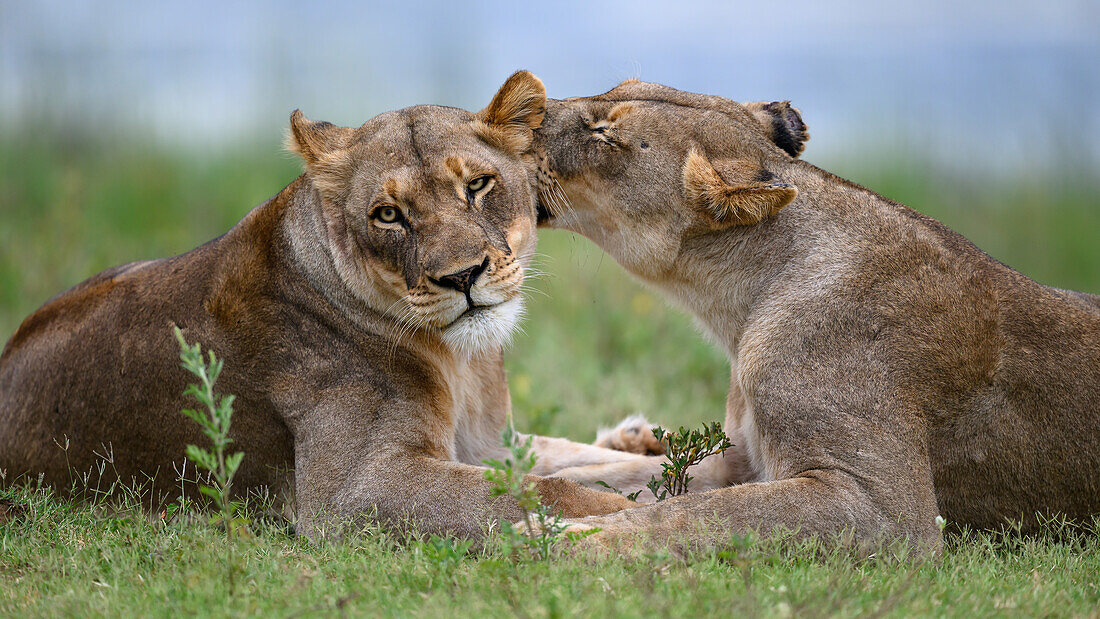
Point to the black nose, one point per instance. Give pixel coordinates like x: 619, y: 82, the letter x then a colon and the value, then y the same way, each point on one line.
x: 463, y: 280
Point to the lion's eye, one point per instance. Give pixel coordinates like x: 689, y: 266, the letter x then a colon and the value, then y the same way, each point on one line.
x: 478, y: 184
x: 387, y: 214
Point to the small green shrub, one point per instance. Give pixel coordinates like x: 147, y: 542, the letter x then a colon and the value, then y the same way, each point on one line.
x: 542, y: 528
x: 215, y: 420
x: 685, y: 448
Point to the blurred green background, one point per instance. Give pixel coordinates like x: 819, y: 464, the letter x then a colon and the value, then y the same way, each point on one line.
x: 596, y: 346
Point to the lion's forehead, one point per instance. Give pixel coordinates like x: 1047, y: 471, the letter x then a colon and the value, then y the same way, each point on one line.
x: 422, y: 157
x: 419, y: 158
x: 418, y: 134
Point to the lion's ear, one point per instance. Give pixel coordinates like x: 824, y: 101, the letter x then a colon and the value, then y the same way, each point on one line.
x: 782, y: 123
x: 742, y: 194
x: 515, y: 112
x: 313, y: 140
x: 324, y: 148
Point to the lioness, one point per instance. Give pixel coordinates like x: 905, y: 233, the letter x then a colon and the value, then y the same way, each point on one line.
x: 361, y: 312
x: 884, y: 369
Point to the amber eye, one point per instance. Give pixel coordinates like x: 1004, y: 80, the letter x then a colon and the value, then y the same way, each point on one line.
x: 478, y: 184
x: 387, y: 214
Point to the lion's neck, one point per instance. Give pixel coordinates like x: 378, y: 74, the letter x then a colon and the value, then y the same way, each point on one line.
x: 721, y: 280
x: 308, y: 239
x: 730, y: 279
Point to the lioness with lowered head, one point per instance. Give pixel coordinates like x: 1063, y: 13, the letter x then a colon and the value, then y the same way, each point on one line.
x: 361, y: 312
x: 884, y: 370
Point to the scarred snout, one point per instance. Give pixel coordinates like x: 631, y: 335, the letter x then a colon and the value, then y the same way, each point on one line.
x: 463, y: 279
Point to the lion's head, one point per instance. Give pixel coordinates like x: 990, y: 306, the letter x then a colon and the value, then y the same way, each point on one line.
x: 644, y: 166
x: 430, y: 210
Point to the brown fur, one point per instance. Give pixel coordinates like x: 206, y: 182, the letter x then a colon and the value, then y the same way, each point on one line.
x: 884, y: 370
x: 746, y: 201
x: 364, y: 385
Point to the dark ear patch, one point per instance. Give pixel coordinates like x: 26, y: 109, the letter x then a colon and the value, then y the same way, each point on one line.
x: 782, y: 123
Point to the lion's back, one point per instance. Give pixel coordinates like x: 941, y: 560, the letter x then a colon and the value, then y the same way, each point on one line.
x: 96, y: 356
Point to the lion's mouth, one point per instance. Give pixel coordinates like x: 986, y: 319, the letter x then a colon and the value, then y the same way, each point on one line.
x: 483, y: 327
x: 473, y: 311
x: 477, y: 309
x: 544, y: 214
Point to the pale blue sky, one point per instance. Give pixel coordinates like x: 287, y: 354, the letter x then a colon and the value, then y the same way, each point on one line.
x: 981, y: 84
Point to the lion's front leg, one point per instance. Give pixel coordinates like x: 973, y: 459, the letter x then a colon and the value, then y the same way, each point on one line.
x: 634, y: 435
x: 824, y: 504
x: 634, y: 476
x: 628, y: 443
x: 349, y: 470
x: 628, y: 473
x: 434, y: 496
x: 556, y: 454
x: 588, y: 464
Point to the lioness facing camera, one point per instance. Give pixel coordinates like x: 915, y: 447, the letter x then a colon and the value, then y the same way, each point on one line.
x: 884, y: 370
x: 361, y: 313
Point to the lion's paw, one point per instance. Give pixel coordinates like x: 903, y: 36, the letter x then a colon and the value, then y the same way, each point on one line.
x: 633, y: 434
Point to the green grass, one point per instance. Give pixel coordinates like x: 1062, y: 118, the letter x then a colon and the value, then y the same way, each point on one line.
x: 83, y: 561
x: 597, y: 347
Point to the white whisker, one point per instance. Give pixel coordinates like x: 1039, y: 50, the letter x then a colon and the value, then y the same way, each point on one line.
x: 532, y: 289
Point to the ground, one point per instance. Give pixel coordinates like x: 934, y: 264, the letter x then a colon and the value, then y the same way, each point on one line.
x: 596, y: 347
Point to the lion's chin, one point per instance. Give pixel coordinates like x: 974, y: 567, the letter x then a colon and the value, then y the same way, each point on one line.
x: 484, y: 328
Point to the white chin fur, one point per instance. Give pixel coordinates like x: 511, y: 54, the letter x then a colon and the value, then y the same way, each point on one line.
x: 486, y: 329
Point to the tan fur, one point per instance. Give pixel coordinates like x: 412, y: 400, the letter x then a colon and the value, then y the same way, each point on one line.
x: 633, y: 434
x: 744, y: 203
x: 365, y: 383
x: 884, y: 370
x: 518, y: 107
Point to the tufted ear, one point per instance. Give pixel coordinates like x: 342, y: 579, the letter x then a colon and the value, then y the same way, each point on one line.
x: 742, y: 194
x: 782, y: 123
x: 514, y: 113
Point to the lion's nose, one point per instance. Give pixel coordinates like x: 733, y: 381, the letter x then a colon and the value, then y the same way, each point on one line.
x: 463, y: 280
